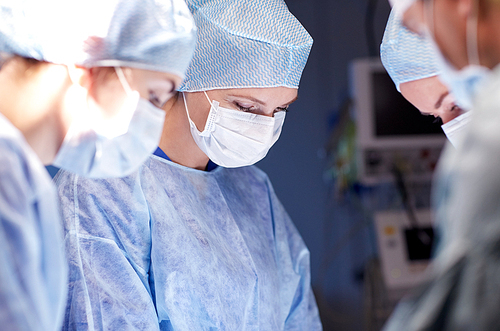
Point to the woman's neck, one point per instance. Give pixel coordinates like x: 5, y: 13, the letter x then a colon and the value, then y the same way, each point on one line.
x: 176, y: 140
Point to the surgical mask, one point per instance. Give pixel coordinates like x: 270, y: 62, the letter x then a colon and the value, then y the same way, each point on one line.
x: 466, y: 82
x: 233, y: 138
x: 100, y: 148
x: 454, y: 129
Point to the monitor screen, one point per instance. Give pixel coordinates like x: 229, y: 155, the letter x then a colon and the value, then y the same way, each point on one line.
x: 394, y: 116
x: 419, y: 243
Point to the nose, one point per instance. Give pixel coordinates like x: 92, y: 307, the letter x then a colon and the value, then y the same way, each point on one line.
x: 449, y: 110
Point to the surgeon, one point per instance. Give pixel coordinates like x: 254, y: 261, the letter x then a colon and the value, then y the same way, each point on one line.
x: 197, y: 239
x: 81, y: 86
x: 463, y: 292
x: 411, y: 62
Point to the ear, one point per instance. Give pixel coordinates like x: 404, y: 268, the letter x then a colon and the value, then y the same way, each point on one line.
x: 414, y: 18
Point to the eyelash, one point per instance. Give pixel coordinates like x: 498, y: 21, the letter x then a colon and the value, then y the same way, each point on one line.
x: 245, y: 109
x: 249, y: 109
x: 156, y: 100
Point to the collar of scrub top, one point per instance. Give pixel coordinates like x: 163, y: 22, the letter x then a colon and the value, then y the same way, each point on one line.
x: 160, y: 153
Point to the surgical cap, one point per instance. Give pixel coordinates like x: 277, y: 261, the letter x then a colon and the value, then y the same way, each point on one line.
x: 158, y: 35
x: 246, y: 44
x: 406, y: 55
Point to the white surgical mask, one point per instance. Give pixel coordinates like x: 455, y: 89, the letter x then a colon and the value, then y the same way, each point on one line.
x: 455, y: 129
x: 115, y: 147
x: 466, y: 82
x: 233, y: 138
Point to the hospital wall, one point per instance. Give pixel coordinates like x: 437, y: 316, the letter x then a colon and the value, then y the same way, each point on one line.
x: 297, y: 163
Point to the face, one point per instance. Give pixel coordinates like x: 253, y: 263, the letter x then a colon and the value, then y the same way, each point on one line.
x: 446, y: 21
x: 109, y: 93
x: 261, y: 101
x: 431, y: 97
x: 157, y: 87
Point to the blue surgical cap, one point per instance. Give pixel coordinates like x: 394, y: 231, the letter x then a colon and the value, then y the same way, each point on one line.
x: 406, y: 55
x: 157, y: 35
x: 246, y: 44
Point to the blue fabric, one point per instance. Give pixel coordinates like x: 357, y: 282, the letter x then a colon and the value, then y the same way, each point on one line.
x: 210, y: 166
x: 159, y: 152
x: 158, y: 35
x: 33, y: 270
x: 52, y: 170
x: 406, y: 55
x: 174, y: 248
x: 245, y: 44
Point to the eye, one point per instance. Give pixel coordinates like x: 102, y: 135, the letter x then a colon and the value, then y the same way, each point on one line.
x: 285, y: 109
x: 250, y: 109
x: 158, y: 101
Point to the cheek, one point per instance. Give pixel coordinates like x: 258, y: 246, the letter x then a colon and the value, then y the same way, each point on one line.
x: 109, y: 97
x: 199, y: 116
x: 198, y: 109
x: 448, y: 115
x: 414, y: 96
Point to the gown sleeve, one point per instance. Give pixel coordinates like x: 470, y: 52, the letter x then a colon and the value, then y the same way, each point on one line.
x: 32, y: 269
x: 297, y: 296
x: 107, y: 240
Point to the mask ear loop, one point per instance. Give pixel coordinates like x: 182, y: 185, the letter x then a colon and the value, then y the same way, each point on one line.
x: 75, y: 77
x: 123, y: 80
x: 471, y: 35
x: 210, y: 102
x: 201, y: 133
x: 186, y: 105
x: 73, y: 74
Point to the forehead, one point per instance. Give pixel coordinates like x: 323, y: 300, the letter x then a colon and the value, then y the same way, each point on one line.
x: 270, y: 95
x: 424, y: 93
x: 143, y: 75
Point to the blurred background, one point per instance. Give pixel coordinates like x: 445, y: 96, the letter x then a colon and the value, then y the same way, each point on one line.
x: 352, y: 174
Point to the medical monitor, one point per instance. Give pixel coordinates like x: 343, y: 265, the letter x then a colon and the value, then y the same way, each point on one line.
x: 404, y: 250
x: 389, y: 128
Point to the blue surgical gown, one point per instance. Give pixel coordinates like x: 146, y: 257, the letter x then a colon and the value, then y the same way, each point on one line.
x: 174, y: 248
x: 463, y: 292
x: 33, y: 270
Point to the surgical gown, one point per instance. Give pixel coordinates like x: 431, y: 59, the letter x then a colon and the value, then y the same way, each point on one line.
x: 464, y: 292
x: 174, y: 248
x: 33, y: 272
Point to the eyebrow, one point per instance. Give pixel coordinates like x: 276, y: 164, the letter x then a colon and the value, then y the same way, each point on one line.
x: 440, y: 100
x: 260, y: 101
